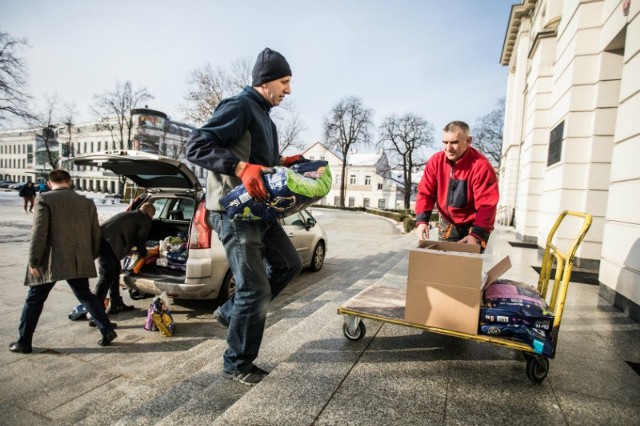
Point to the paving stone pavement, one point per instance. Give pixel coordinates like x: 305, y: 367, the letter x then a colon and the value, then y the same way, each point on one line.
x: 396, y: 375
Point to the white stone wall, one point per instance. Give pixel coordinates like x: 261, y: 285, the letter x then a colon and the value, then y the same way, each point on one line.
x: 585, y: 75
x: 620, y: 262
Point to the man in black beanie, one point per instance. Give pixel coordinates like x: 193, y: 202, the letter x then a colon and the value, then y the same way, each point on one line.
x: 239, y: 143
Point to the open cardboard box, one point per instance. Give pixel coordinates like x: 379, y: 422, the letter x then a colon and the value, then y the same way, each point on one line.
x: 445, y: 284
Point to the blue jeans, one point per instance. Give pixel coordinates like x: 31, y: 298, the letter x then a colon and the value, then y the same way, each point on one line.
x: 38, y: 295
x: 263, y: 261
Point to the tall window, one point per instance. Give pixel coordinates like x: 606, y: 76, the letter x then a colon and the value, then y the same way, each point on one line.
x: 379, y: 187
x: 352, y: 202
x: 366, y: 202
x: 381, y: 203
x: 555, y: 144
x: 367, y: 180
x: 352, y: 180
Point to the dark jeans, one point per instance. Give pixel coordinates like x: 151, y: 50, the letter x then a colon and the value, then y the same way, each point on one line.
x: 263, y: 261
x: 28, y: 201
x: 108, y: 274
x: 35, y: 302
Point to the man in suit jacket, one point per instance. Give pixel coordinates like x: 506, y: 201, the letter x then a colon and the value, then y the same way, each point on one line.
x: 119, y: 234
x: 64, y: 243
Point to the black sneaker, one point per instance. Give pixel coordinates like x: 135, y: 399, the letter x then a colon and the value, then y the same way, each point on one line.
x: 218, y: 317
x: 114, y: 308
x: 250, y: 378
x: 92, y: 323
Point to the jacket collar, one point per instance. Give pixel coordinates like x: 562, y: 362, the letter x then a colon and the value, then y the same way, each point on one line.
x: 256, y: 96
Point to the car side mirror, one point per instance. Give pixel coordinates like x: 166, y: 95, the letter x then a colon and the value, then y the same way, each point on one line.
x: 311, y: 222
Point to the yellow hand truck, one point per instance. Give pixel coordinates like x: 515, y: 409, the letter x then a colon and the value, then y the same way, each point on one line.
x: 387, y: 304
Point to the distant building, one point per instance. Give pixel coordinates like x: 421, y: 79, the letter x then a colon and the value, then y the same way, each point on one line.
x: 572, y: 132
x: 24, y: 155
x: 369, y: 182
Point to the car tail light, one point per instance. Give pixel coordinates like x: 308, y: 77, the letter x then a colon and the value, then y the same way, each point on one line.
x: 200, y: 232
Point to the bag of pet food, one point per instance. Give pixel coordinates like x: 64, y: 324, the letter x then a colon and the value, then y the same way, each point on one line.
x: 290, y: 190
x: 517, y: 310
x: 159, y: 318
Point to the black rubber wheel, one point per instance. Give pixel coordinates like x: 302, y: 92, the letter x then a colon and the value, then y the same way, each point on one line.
x: 137, y: 295
x: 227, y: 289
x: 361, y: 330
x: 537, y: 367
x: 317, y: 260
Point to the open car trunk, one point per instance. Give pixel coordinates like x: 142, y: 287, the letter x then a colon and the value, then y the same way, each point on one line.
x: 167, y: 241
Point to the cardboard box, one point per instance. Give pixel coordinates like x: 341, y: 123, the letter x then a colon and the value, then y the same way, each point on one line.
x: 445, y: 284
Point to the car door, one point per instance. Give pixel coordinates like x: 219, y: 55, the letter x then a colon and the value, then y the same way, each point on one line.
x: 296, y: 228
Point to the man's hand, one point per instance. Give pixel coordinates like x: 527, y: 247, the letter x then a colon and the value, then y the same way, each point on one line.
x: 470, y: 239
x: 251, y: 176
x: 290, y: 161
x: 35, y: 271
x: 423, y: 231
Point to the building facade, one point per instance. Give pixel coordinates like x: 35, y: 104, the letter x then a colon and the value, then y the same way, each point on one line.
x: 572, y: 134
x: 368, y: 179
x: 29, y: 154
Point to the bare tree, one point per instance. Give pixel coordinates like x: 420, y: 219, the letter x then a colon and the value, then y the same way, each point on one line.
x: 290, y: 127
x: 14, y: 98
x: 487, y: 133
x: 68, y: 118
x: 117, y: 104
x: 406, y: 137
x: 346, y: 127
x: 44, y: 123
x: 207, y: 87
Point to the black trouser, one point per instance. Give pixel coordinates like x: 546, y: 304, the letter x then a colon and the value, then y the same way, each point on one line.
x: 34, y: 304
x: 109, y: 274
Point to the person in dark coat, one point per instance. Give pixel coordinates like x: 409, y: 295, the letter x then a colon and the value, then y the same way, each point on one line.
x: 119, y: 235
x: 28, y: 193
x: 64, y: 243
x: 239, y: 143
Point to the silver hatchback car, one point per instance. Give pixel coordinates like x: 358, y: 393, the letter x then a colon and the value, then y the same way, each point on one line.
x: 179, y: 200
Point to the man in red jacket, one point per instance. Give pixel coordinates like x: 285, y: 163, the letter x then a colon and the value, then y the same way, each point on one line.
x: 463, y: 185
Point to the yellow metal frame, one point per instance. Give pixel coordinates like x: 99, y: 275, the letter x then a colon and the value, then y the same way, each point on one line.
x: 564, y: 267
x: 558, y: 292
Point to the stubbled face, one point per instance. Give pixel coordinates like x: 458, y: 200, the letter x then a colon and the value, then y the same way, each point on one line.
x: 454, y: 144
x: 275, y: 91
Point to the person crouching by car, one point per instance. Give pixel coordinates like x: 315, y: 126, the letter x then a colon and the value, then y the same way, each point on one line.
x: 119, y: 234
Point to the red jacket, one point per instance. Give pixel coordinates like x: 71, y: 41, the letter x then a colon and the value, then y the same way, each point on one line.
x: 466, y: 192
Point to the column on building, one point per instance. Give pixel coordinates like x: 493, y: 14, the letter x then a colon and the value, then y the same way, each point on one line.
x: 620, y: 262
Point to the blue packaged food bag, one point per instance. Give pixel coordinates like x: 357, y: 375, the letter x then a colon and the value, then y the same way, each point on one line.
x: 290, y: 190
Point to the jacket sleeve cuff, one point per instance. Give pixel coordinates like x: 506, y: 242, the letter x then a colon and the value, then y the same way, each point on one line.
x: 423, y: 217
x: 480, y: 234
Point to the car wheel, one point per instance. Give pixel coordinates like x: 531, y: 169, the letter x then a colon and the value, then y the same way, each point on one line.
x: 227, y: 289
x: 317, y: 260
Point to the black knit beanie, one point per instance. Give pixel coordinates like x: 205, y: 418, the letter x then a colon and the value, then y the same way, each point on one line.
x: 269, y: 66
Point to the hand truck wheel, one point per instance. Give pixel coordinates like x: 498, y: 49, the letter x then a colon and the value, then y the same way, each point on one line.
x: 357, y: 334
x: 537, y: 367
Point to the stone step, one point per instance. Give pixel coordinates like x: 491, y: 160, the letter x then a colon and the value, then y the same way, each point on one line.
x: 309, y: 361
x: 160, y: 395
x: 283, y: 338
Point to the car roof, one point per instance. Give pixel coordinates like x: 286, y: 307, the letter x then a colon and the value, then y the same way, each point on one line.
x: 150, y: 171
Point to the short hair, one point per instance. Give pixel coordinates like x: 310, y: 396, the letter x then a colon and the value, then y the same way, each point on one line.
x: 148, y: 208
x: 59, y: 176
x: 457, y: 125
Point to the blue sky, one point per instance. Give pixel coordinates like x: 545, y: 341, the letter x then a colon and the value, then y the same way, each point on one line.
x: 437, y: 59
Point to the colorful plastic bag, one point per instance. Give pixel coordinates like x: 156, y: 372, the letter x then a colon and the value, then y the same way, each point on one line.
x: 290, y: 190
